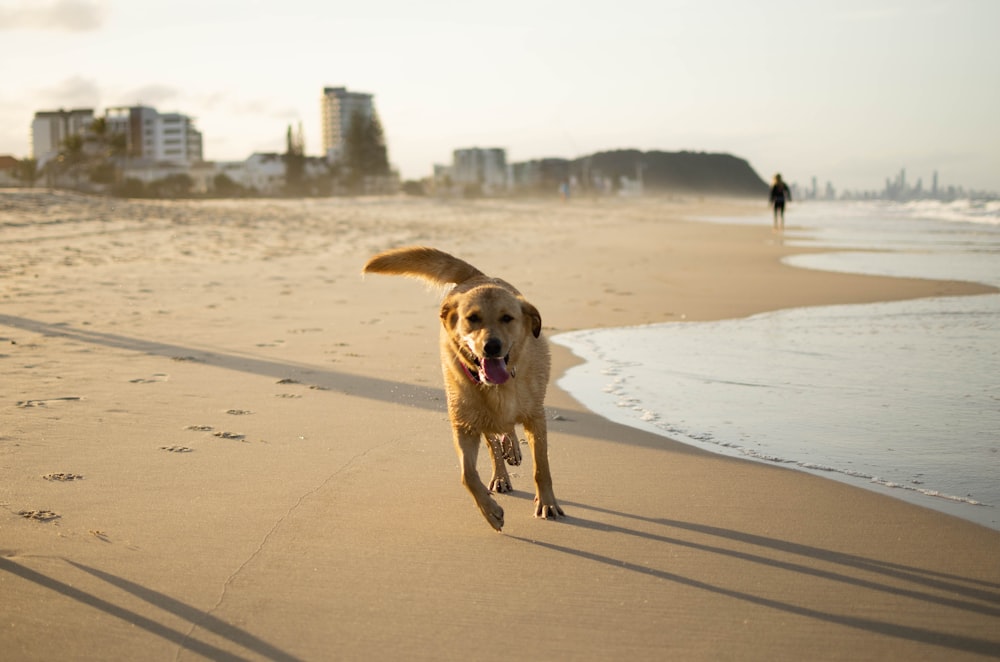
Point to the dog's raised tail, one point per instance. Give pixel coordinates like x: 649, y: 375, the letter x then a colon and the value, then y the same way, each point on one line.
x: 429, y: 264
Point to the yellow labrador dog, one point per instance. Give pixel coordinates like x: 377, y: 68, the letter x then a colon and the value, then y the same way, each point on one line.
x: 496, y: 369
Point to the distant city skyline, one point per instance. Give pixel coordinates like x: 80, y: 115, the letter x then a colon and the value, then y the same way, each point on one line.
x: 897, y: 187
x: 845, y: 91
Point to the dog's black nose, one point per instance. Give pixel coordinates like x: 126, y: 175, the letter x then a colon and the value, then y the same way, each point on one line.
x: 493, y: 347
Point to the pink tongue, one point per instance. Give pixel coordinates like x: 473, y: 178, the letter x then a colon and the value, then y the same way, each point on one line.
x: 494, y: 371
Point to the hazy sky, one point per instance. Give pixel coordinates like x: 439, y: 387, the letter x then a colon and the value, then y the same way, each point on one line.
x: 847, y: 91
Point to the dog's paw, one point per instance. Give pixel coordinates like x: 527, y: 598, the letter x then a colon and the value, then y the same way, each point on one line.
x: 501, y: 484
x: 548, y: 509
x: 511, y: 449
x: 493, y: 513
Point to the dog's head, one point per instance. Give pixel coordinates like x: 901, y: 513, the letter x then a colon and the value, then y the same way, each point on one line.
x: 488, y: 325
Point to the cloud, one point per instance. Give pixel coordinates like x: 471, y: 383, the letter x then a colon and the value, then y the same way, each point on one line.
x: 148, y: 95
x: 66, y: 15
x: 889, y: 12
x: 76, y: 92
x: 233, y: 104
x: 287, y: 113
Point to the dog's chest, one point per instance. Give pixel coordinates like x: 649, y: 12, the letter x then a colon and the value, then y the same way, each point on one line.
x: 490, y: 409
x: 502, y: 400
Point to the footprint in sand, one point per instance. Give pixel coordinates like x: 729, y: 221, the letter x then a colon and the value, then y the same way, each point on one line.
x: 238, y: 412
x: 39, y: 515
x: 45, y: 401
x: 64, y: 477
x: 289, y: 380
x: 200, y: 428
x: 230, y: 435
x: 177, y: 449
x: 158, y: 377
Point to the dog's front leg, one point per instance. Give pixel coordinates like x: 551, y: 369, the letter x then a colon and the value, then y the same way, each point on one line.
x: 545, y: 499
x: 467, y: 445
x: 500, y: 482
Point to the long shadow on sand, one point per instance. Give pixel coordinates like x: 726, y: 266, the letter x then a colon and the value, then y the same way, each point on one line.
x: 956, y: 592
x: 361, y: 386
x: 356, y: 385
x: 194, y: 616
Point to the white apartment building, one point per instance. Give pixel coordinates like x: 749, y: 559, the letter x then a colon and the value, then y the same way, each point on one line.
x: 50, y: 128
x: 338, y: 107
x: 260, y: 172
x: 155, y: 136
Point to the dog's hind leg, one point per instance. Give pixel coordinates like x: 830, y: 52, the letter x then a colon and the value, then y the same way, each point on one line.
x: 467, y: 445
x: 511, y: 448
x: 500, y: 482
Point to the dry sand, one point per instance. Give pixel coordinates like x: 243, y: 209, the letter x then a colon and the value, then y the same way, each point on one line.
x: 218, y: 441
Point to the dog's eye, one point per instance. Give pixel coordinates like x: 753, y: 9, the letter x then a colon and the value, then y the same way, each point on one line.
x: 474, y: 318
x: 507, y: 318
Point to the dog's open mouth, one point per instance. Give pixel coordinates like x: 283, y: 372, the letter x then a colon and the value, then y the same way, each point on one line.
x: 493, y: 371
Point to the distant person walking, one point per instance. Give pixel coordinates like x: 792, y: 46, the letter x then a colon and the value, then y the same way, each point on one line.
x: 779, y: 194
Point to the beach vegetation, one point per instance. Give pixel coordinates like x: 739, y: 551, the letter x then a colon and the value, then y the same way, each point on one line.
x: 365, y: 152
x: 130, y: 188
x: 295, y: 162
x: 172, y: 186
x: 26, y: 171
x: 224, y: 186
x: 414, y: 187
x: 104, y: 172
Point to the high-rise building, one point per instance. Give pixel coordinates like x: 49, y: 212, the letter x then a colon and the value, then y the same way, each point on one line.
x: 160, y: 137
x: 338, y: 109
x: 50, y: 128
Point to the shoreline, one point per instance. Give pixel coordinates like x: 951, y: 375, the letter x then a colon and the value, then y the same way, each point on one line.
x: 636, y: 404
x: 627, y: 406
x: 266, y: 469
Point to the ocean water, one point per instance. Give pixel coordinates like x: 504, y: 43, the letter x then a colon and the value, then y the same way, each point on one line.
x: 900, y: 397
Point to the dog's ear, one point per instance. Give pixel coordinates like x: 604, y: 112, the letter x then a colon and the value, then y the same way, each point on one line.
x: 532, y: 314
x: 449, y: 314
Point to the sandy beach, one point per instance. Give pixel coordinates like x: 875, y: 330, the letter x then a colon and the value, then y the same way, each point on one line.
x: 219, y: 441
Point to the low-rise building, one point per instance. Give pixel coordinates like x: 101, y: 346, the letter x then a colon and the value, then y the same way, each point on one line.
x: 261, y: 172
x: 8, y: 171
x: 51, y: 128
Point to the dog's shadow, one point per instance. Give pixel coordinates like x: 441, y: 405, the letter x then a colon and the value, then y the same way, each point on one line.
x: 925, y: 588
